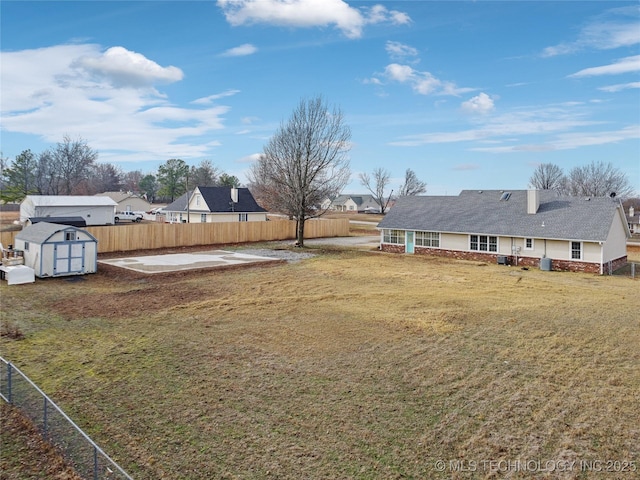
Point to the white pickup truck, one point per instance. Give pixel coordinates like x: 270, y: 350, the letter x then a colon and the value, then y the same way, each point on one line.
x: 127, y: 217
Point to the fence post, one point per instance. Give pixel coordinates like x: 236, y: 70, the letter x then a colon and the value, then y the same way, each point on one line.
x: 95, y: 463
x: 44, y: 419
x: 9, y: 396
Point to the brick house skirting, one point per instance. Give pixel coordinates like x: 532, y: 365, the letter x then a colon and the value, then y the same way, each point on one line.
x: 557, y: 265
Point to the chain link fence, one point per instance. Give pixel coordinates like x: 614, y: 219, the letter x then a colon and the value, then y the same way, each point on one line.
x: 88, y: 460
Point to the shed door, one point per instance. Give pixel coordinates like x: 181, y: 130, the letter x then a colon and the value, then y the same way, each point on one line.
x: 68, y: 258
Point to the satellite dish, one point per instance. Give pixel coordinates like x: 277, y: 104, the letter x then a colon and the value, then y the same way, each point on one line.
x: 612, y: 194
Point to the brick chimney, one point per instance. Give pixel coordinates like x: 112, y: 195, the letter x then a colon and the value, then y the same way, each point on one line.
x: 533, y: 201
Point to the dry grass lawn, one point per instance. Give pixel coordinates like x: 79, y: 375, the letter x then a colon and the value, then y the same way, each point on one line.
x: 347, y: 365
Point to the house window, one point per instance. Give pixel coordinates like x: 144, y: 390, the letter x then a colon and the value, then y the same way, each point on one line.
x: 428, y: 239
x: 26, y: 246
x: 483, y: 243
x: 393, y: 236
x: 576, y: 250
x: 243, y: 217
x: 69, y: 236
x: 528, y: 243
x: 203, y: 217
x: 197, y: 200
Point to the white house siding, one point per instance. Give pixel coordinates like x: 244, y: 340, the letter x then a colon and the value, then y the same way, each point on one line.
x: 453, y: 241
x: 195, y: 217
x: 615, y: 246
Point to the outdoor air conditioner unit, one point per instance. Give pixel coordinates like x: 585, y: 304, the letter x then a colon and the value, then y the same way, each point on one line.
x: 503, y: 260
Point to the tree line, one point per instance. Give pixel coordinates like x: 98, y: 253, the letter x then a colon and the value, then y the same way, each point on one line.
x: 71, y: 168
x: 597, y: 179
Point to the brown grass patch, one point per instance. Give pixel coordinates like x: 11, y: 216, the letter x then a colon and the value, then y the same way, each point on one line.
x: 346, y: 365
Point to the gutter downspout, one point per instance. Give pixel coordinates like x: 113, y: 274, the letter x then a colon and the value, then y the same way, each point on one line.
x: 601, y: 258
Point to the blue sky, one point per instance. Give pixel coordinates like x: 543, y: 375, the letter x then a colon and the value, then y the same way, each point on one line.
x: 470, y: 95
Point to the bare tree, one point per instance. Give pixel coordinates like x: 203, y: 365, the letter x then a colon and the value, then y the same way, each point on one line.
x: 598, y: 179
x: 105, y: 177
x: 412, y: 185
x: 204, y: 175
x: 548, y: 176
x: 377, y: 184
x: 304, y: 162
x: 72, y: 161
x: 131, y: 181
x: 47, y: 177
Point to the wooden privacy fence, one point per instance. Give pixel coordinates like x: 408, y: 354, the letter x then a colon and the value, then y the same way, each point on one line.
x: 149, y: 236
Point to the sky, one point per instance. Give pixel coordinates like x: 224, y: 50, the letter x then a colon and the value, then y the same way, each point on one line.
x: 469, y: 95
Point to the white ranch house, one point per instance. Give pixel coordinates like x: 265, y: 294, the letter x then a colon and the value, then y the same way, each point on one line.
x: 520, y: 227
x: 351, y: 203
x: 215, y: 204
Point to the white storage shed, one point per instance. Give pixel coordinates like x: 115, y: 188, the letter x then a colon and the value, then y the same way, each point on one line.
x: 54, y: 250
x: 94, y: 210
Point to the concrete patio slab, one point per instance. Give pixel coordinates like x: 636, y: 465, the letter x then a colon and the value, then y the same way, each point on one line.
x: 185, y: 261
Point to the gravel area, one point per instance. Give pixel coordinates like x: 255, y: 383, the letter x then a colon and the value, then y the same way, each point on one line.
x: 287, y: 255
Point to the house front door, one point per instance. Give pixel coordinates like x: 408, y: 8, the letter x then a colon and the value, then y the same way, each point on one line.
x: 409, y: 242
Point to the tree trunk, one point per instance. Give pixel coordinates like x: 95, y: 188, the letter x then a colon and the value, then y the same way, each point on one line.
x: 300, y: 232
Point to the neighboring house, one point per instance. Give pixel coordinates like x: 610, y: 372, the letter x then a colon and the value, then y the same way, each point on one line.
x: 127, y: 201
x: 526, y: 228
x: 351, y: 203
x: 94, y: 210
x: 54, y: 250
x: 215, y: 204
x: 633, y: 221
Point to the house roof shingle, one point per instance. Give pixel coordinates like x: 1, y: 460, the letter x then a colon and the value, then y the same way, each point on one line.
x: 218, y: 200
x: 482, y: 212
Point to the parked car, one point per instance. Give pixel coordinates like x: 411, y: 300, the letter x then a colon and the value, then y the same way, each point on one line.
x: 128, y: 217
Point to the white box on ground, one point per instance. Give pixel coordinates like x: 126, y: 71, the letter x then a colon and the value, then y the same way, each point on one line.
x: 17, y: 274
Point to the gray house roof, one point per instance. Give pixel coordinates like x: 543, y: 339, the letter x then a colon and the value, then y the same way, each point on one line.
x: 42, y: 231
x: 483, y: 212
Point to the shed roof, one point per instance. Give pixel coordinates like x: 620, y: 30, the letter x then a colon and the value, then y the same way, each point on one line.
x: 42, y: 231
x: 483, y: 212
x: 70, y: 200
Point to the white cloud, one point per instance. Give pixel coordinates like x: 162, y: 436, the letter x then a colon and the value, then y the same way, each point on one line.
x: 508, y: 127
x: 81, y: 90
x: 624, y: 65
x: 617, y: 27
x: 619, y: 87
x: 240, y: 51
x: 399, y: 50
x: 249, y: 158
x: 423, y: 83
x: 481, y: 103
x: 308, y: 13
x: 212, y: 98
x: 570, y: 141
x: 122, y: 68
x: 464, y: 167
